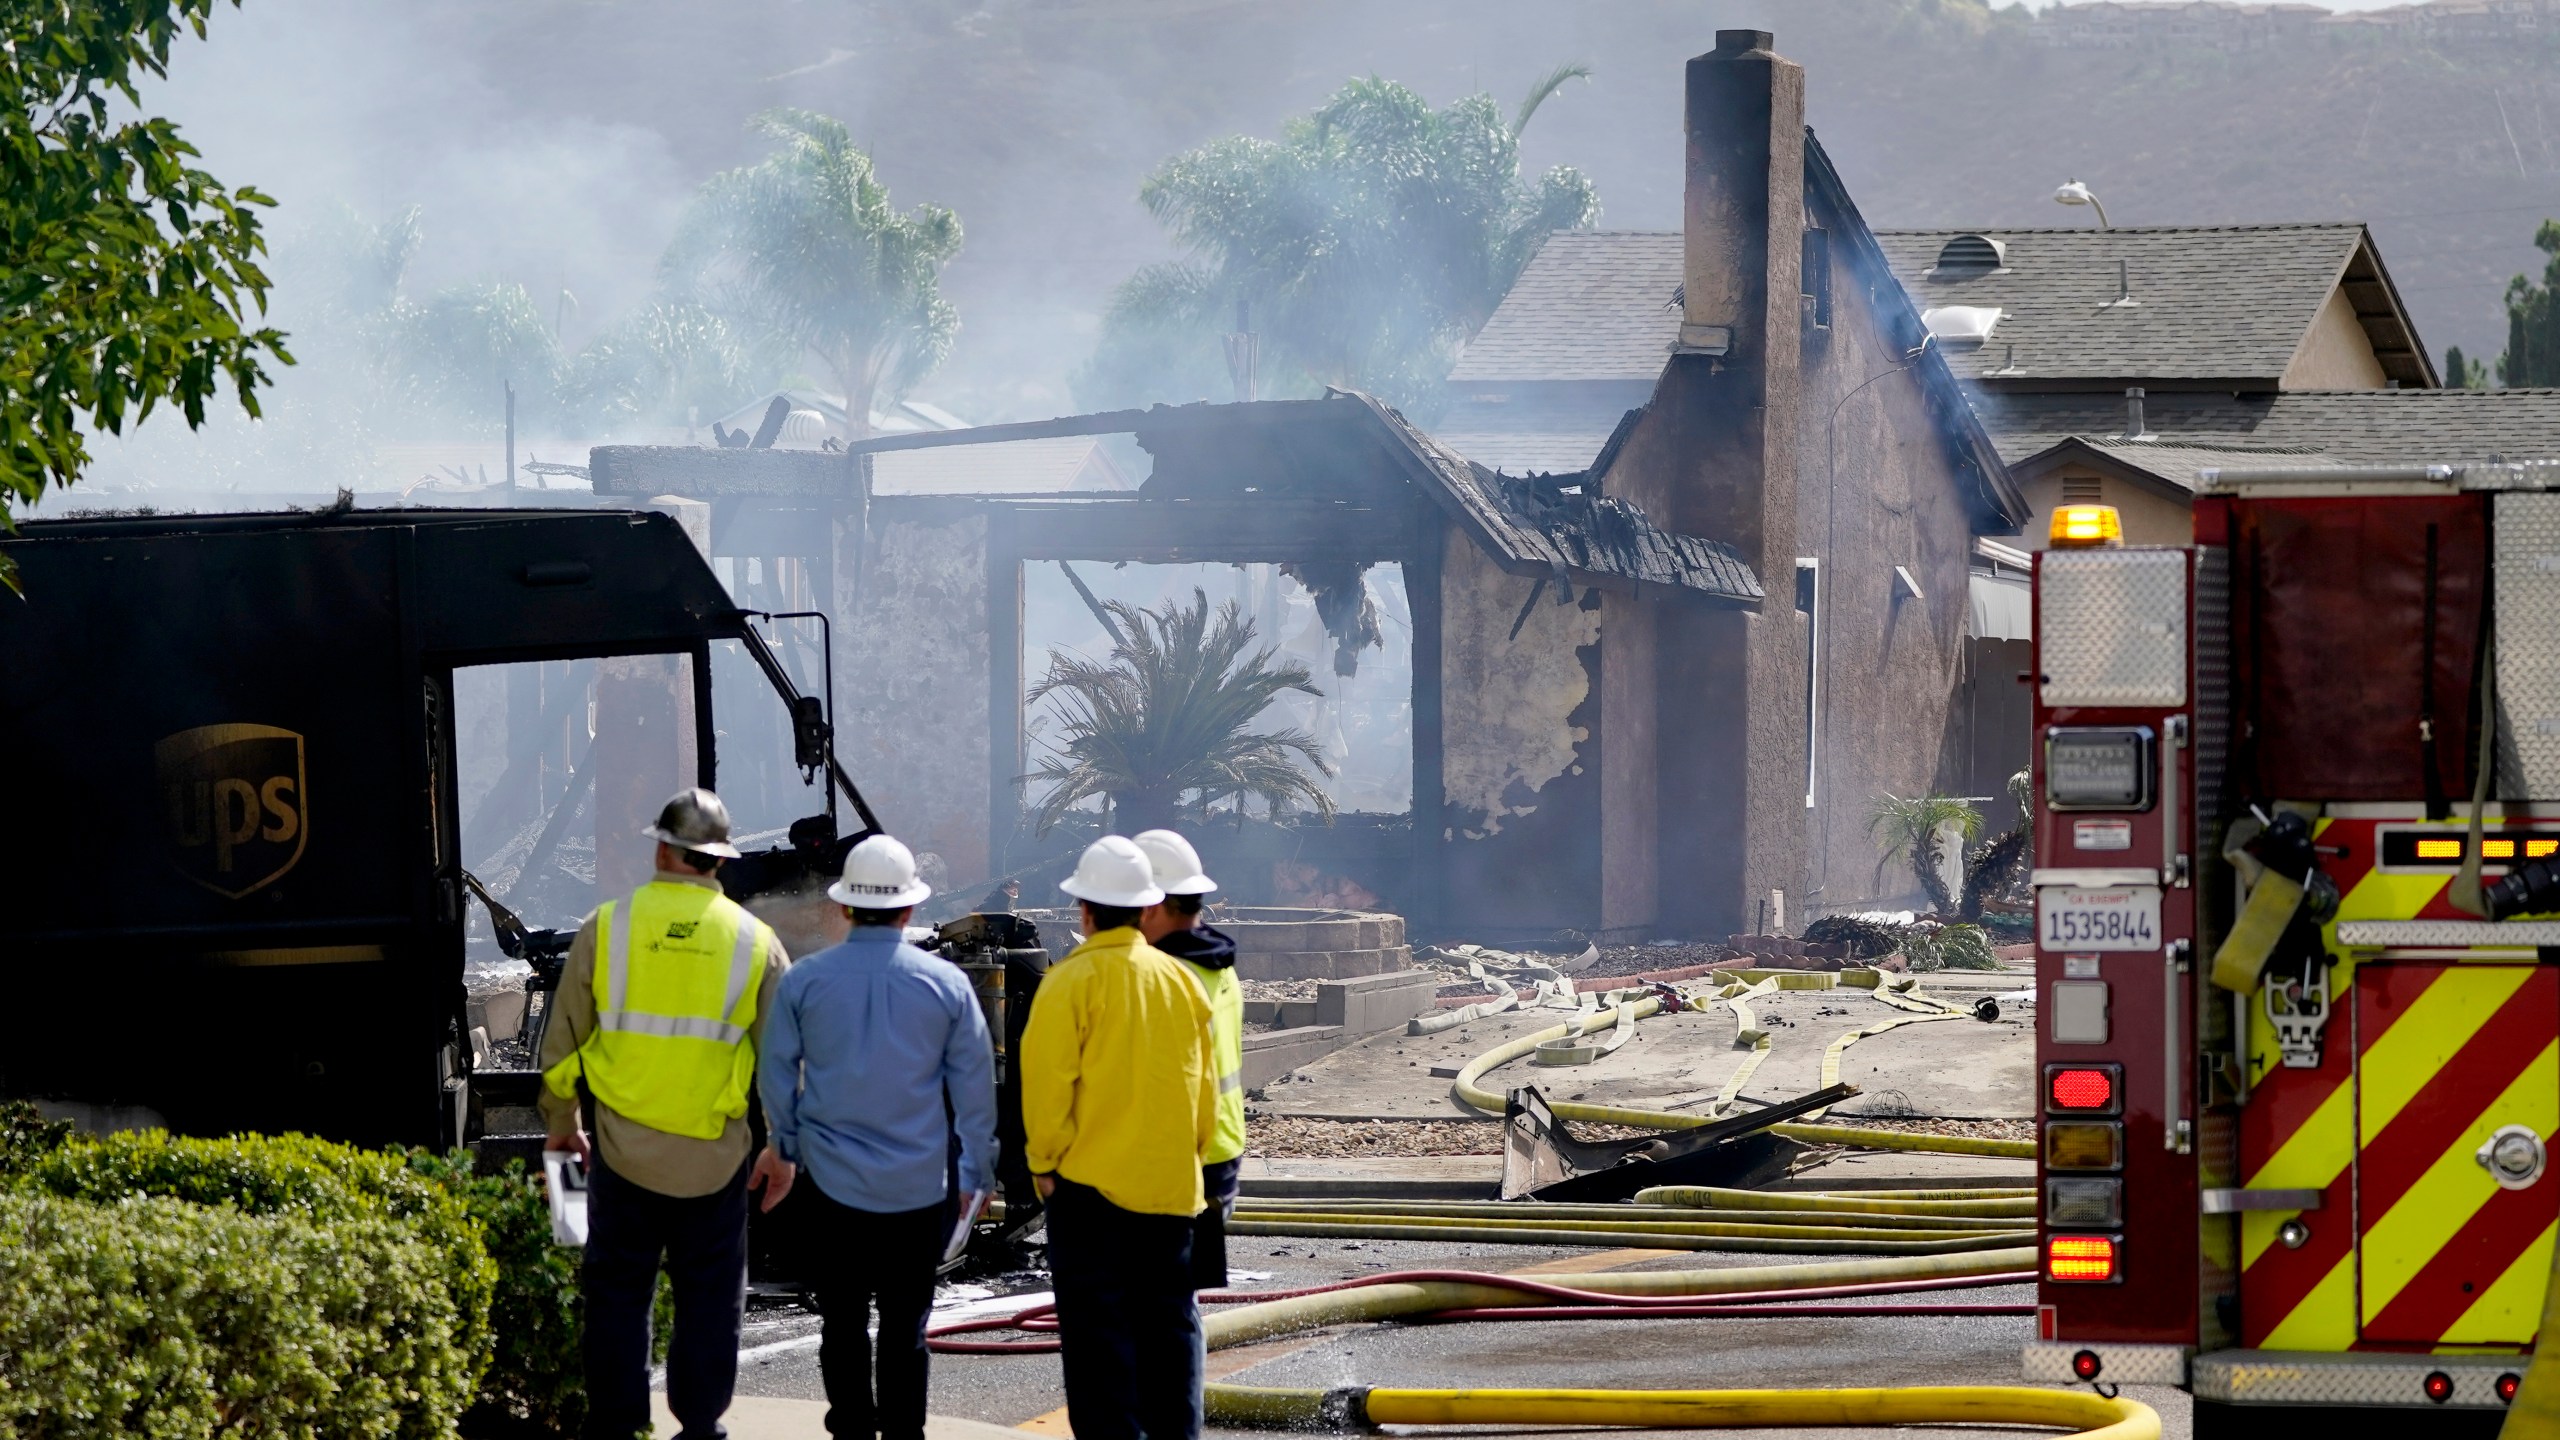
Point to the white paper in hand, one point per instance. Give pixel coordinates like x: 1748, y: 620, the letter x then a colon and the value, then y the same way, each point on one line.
x: 564, y: 1175
x: 970, y: 1204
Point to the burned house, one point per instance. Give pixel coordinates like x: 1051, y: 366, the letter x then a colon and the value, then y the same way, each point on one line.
x: 1655, y: 685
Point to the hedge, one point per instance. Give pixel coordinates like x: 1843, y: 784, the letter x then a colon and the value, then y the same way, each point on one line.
x: 159, y: 1318
x: 298, y: 1177
x: 534, y: 1382
x: 517, y: 1321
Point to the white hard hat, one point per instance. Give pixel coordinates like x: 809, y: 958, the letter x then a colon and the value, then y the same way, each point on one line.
x: 1175, y: 863
x: 1114, y: 871
x: 694, y: 819
x: 879, y: 874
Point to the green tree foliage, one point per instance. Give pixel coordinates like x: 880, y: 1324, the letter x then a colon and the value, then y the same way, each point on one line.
x: 404, y: 366
x: 2001, y: 865
x: 2462, y: 372
x: 459, y: 350
x: 1948, y: 947
x: 126, y: 274
x: 2533, y: 319
x: 666, y: 360
x: 804, y: 247
x: 1366, y: 243
x: 1160, y: 728
x: 1910, y: 830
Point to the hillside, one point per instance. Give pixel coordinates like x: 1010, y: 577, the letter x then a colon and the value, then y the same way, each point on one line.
x: 552, y: 141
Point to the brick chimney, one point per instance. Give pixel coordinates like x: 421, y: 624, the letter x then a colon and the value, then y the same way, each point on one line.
x: 1742, y: 243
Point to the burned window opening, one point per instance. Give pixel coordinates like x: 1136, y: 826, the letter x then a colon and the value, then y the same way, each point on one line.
x: 1343, y: 603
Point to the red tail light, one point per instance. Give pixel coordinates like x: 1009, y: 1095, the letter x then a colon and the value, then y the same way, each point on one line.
x: 2507, y: 1385
x: 2082, y: 1089
x: 2438, y: 1385
x: 2083, y: 1258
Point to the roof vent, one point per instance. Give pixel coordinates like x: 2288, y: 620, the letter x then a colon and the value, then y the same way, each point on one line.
x: 1961, y: 324
x: 1969, y: 255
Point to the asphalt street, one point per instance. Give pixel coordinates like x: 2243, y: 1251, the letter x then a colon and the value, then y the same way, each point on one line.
x: 780, y: 1355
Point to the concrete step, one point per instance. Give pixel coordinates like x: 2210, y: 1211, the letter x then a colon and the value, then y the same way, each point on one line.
x: 1321, y: 964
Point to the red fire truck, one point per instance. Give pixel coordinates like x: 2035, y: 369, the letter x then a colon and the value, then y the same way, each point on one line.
x: 2300, y: 1047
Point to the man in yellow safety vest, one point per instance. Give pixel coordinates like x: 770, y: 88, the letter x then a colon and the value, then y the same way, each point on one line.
x: 659, y: 1011
x: 1173, y: 925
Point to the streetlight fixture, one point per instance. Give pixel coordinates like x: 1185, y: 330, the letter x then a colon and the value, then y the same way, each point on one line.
x: 2075, y: 193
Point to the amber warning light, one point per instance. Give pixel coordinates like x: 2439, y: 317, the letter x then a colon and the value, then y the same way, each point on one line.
x: 2085, y: 527
x: 2080, y: 1257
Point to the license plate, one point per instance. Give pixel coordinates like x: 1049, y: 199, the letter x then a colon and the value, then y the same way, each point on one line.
x: 2125, y: 917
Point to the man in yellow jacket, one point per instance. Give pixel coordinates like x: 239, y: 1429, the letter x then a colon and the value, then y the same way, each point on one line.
x: 661, y: 1005
x: 1119, y: 1102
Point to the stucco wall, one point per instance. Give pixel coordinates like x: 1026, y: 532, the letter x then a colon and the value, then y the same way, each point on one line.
x: 911, y: 679
x: 2150, y: 515
x: 1519, y: 757
x: 2336, y: 354
x: 1877, y: 489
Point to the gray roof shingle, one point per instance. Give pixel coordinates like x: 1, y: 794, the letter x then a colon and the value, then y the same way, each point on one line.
x: 2227, y: 302
x: 1592, y: 305
x: 2344, y: 426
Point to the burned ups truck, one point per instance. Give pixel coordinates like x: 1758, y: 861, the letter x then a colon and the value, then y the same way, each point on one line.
x: 2298, y: 908
x: 259, y: 758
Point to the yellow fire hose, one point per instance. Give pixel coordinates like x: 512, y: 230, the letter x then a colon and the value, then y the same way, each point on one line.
x: 1567, y: 1216
x: 1738, y: 1239
x: 1920, y: 1234
x: 2014, y: 1203
x: 1473, y: 1096
x: 2091, y: 1416
x: 1239, y: 1324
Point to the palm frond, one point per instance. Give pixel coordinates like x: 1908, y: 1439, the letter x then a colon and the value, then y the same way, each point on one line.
x: 1163, y: 724
x: 1540, y: 93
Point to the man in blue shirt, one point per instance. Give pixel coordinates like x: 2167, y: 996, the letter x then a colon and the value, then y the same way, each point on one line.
x: 867, y: 1041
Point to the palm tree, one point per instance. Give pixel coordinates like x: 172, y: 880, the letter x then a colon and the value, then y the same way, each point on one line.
x: 1159, y: 728
x: 1367, y: 242
x: 1910, y: 829
x: 1995, y: 866
x: 804, y: 247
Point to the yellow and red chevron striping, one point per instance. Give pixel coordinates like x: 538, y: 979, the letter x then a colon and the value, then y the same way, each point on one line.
x: 2438, y: 1234
x: 2413, y: 1244
x: 2298, y: 1133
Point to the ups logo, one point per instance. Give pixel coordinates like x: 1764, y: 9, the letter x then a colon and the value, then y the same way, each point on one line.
x: 235, y: 804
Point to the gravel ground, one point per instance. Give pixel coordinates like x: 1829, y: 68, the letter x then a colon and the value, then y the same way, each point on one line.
x: 1277, y: 989
x: 1288, y: 1137
x: 1637, y: 959
x: 2010, y: 1129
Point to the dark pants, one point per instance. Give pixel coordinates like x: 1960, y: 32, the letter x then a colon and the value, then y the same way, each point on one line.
x: 857, y: 1257
x: 702, y: 1241
x: 1126, y: 1318
x: 1219, y: 1180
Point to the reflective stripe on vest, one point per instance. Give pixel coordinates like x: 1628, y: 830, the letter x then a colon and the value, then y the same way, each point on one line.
x: 661, y: 1054
x: 617, y: 978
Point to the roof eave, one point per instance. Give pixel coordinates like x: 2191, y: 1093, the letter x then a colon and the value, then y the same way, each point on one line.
x: 2367, y: 251
x: 1998, y: 507
x: 2112, y: 463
